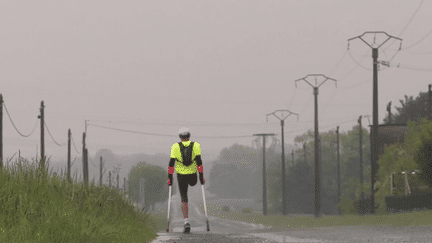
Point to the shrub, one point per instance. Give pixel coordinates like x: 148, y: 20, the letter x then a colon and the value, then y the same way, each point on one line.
x: 246, y: 210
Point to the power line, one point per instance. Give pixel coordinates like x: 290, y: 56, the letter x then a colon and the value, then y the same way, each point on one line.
x: 338, y: 63
x: 166, y: 135
x: 52, y: 136
x: 358, y: 62
x: 420, y: 53
x: 343, y: 77
x: 354, y: 86
x: 91, y: 161
x: 412, y: 17
x: 190, y: 124
x: 354, y: 68
x: 14, y: 124
x: 420, y: 40
x: 325, y: 126
x: 407, y: 67
x: 409, y: 22
x: 73, y: 142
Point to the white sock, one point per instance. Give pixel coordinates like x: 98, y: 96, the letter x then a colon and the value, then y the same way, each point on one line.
x: 186, y: 220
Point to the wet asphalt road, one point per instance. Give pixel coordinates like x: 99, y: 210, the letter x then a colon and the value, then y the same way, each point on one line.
x: 224, y: 230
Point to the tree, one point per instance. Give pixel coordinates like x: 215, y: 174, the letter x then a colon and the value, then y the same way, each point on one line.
x: 156, y: 186
x: 234, y: 173
x: 423, y: 156
x: 411, y: 109
x: 412, y: 155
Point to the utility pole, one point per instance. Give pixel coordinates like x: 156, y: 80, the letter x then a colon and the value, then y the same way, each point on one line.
x: 41, y: 117
x: 361, y: 157
x: 338, y: 168
x: 264, y: 171
x: 118, y: 181
x: 100, y: 178
x: 69, y: 156
x: 317, y: 162
x: 109, y: 177
x: 85, y: 161
x: 86, y: 175
x: 284, y: 211
x: 374, y: 135
x: 124, y: 185
x: 1, y: 131
x: 142, y: 192
x: 430, y: 103
x: 389, y: 112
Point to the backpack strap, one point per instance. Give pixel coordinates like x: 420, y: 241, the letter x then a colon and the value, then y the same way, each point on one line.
x: 182, y: 147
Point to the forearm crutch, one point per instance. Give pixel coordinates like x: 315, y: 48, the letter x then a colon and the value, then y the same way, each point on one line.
x: 169, y: 204
x: 205, y: 209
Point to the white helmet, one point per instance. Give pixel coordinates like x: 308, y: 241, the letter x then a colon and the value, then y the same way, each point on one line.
x: 184, y: 131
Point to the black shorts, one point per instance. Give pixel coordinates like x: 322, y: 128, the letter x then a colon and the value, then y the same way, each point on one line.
x: 184, y: 181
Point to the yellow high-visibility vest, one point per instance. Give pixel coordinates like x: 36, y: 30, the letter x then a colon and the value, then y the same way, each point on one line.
x: 176, y: 154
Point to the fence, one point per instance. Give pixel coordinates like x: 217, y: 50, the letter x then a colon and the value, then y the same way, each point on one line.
x: 409, y: 202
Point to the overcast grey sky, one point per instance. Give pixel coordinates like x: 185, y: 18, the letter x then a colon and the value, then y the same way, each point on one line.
x: 155, y: 66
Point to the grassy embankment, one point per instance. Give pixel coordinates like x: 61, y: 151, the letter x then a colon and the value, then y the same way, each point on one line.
x: 417, y: 218
x: 37, y: 206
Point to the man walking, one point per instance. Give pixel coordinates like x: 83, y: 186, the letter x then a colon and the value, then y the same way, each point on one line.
x: 188, y: 157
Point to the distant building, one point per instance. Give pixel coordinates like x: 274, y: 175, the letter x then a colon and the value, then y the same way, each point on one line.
x: 389, y: 134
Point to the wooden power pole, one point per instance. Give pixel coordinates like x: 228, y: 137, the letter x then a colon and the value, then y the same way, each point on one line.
x: 338, y: 168
x: 429, y: 116
x: 1, y: 131
x: 118, y: 181
x: 100, y: 178
x: 41, y: 117
x: 361, y: 155
x: 69, y: 157
x: 124, y: 185
x: 85, y: 161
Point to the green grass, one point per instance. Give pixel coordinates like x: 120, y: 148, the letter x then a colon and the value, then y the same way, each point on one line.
x: 39, y: 207
x: 418, y: 218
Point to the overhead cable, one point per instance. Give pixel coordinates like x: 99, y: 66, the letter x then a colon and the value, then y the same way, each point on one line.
x: 338, y: 63
x: 405, y: 66
x: 358, y: 62
x: 166, y: 135
x: 420, y: 40
x: 190, y: 124
x: 73, y: 142
x: 412, y: 17
x: 15, y: 126
x: 409, y: 22
x: 52, y: 136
